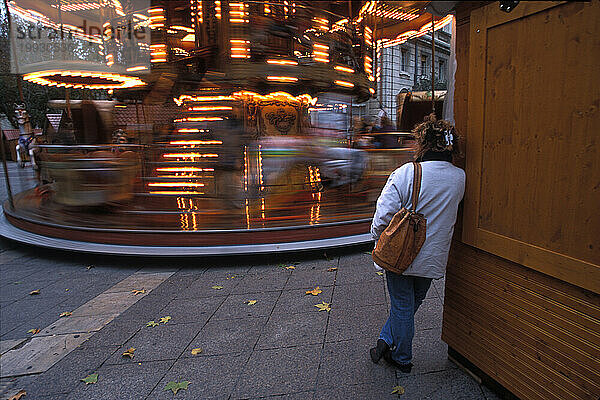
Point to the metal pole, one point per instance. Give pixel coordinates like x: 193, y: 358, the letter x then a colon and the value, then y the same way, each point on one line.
x: 432, y: 65
x: 10, y: 196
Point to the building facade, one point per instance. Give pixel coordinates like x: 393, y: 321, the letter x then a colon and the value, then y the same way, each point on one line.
x: 407, y: 67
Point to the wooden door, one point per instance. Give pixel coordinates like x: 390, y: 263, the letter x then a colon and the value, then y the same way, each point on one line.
x: 533, y: 155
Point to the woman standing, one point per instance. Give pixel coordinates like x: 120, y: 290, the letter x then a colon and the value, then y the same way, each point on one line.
x: 442, y: 189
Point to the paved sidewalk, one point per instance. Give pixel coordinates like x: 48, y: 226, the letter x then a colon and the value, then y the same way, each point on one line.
x: 281, y: 346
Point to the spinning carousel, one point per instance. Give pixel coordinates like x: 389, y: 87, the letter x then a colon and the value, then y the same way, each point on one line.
x: 227, y: 126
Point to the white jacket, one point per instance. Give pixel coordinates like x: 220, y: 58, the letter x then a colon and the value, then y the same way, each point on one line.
x: 442, y: 189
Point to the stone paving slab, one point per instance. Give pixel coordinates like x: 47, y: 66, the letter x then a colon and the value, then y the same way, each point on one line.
x: 6, y: 345
x: 361, y: 322
x: 211, y: 377
x: 258, y: 283
x: 451, y: 384
x: 309, y: 278
x: 228, y: 336
x: 359, y: 294
x: 163, y: 342
x: 338, y: 356
x: 279, y: 371
x: 297, y: 301
x: 291, y: 330
x: 122, y: 382
x: 39, y: 354
x: 366, y: 391
x: 63, y: 376
x: 90, y: 323
x: 183, y: 311
x: 235, y: 305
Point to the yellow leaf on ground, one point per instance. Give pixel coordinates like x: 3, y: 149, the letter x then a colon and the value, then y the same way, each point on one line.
x: 290, y: 267
x: 399, y: 390
x: 379, y: 273
x: 166, y: 319
x: 18, y: 396
x: 197, y: 351
x: 66, y: 290
x: 33, y: 331
x: 315, y: 291
x: 34, y: 292
x: 66, y: 314
x: 250, y: 302
x: 176, y: 386
x: 129, y: 352
x: 323, y: 306
x: 152, y: 324
x: 136, y: 292
x: 92, y: 378
x: 217, y: 287
x: 332, y: 269
x: 231, y: 277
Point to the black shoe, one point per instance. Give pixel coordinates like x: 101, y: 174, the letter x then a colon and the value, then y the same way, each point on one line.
x: 406, y: 368
x: 378, y: 351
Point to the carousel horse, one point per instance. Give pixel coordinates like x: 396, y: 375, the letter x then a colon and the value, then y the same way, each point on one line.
x: 26, y: 141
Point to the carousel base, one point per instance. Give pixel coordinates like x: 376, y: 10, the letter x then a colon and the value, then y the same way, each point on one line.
x: 11, y: 228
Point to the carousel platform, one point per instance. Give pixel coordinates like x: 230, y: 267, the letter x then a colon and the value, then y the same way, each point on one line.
x: 177, y: 226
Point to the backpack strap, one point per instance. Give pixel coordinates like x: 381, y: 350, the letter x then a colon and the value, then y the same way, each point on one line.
x: 416, y: 185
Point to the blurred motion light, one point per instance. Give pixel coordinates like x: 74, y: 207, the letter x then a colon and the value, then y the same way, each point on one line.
x: 83, y: 79
x: 344, y: 83
x: 282, y: 62
x: 344, y: 69
x: 282, y: 79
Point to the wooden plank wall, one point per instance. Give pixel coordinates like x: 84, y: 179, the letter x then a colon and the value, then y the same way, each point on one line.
x: 536, y: 335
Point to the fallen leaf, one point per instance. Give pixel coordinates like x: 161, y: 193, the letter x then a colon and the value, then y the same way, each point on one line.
x: 379, y: 273
x: 332, y: 269
x: 89, y: 267
x: 250, y: 302
x: 129, y: 352
x: 216, y: 287
x: 33, y: 331
x: 399, y: 390
x: 93, y: 378
x: 323, y: 306
x: 315, y: 291
x: 175, y: 386
x: 66, y: 290
x: 34, y: 292
x: 136, y: 292
x: 231, y: 277
x: 166, y: 319
x: 17, y: 396
x: 152, y: 323
x: 197, y: 351
x: 66, y: 314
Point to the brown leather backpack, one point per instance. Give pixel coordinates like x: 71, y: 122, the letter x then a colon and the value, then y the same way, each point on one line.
x: 403, y: 238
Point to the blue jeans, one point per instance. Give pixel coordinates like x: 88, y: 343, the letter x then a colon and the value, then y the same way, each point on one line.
x: 406, y: 295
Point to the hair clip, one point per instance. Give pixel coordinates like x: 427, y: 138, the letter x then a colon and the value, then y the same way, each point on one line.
x: 448, y: 137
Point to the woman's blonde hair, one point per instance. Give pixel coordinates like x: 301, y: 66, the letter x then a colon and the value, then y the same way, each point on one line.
x: 435, y: 135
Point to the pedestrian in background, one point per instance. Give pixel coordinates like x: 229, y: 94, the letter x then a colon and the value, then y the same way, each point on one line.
x: 442, y: 189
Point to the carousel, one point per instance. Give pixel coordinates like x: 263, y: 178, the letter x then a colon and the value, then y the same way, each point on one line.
x: 226, y: 127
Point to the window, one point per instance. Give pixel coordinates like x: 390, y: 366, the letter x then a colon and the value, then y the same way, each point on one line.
x: 442, y: 70
x: 404, y: 60
x: 423, y: 70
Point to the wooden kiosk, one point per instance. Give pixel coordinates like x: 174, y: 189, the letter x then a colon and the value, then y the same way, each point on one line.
x: 522, y: 301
